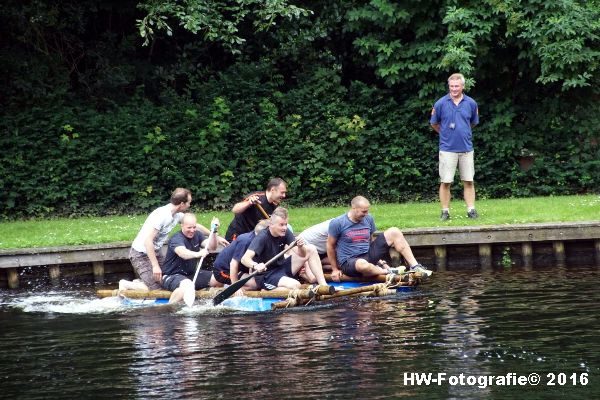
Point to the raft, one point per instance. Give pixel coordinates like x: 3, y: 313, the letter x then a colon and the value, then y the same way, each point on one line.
x: 267, y: 300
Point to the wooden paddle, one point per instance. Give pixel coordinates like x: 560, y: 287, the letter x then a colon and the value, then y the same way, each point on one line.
x: 234, y: 287
x: 262, y: 210
x: 190, y: 296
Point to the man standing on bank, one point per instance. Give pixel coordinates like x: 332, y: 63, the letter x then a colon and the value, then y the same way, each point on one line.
x: 352, y: 252
x: 453, y: 117
x: 247, y: 212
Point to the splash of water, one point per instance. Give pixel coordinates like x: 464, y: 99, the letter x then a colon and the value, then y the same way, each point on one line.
x: 65, y: 303
x: 55, y: 302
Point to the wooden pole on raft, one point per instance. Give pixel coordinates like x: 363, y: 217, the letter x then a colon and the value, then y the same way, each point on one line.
x: 288, y: 303
x: 306, y: 293
x: 346, y: 278
x: 145, y: 294
x: 320, y: 290
x: 278, y: 293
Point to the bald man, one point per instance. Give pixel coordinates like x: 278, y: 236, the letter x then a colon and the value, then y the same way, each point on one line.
x: 185, y: 248
x: 352, y: 252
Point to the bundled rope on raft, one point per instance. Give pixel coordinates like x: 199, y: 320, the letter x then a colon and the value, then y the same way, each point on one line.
x: 378, y: 289
x: 294, y: 299
x: 403, y: 279
x: 384, y: 288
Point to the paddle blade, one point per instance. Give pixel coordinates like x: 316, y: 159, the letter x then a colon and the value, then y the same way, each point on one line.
x: 230, y: 291
x: 189, y: 295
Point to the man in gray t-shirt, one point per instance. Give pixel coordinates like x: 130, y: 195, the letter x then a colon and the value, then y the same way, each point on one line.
x: 351, y: 250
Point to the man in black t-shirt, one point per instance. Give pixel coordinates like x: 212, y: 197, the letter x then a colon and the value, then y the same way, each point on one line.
x: 247, y: 212
x: 227, y: 268
x: 271, y: 242
x: 185, y: 247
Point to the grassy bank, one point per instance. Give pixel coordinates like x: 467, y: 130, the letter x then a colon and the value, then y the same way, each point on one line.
x: 59, y: 232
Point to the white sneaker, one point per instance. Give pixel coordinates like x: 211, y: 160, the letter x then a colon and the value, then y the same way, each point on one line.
x: 136, y: 284
x: 397, y: 270
x: 422, y: 270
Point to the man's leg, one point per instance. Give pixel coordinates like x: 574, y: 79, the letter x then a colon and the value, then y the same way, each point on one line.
x: 185, y: 289
x: 176, y: 296
x: 252, y: 284
x: 445, y: 195
x: 143, y: 268
x: 299, y: 266
x: 448, y: 162
x: 313, y: 261
x: 182, y: 287
x: 469, y: 194
x: 214, y: 282
x: 288, y: 283
x: 466, y: 167
x: 136, y: 284
x: 368, y: 269
x: 279, y: 277
x: 306, y: 274
x: 282, y: 276
x: 394, y: 238
x: 326, y: 264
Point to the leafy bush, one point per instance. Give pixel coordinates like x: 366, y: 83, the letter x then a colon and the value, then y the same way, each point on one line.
x: 336, y: 101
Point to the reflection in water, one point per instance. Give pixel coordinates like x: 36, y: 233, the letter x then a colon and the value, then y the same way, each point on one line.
x: 461, y: 334
x: 67, y: 345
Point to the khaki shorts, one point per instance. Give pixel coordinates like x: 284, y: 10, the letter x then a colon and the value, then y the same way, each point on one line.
x: 143, y: 268
x: 448, y: 163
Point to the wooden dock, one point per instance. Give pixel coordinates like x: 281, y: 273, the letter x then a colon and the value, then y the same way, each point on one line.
x: 517, y: 242
x: 448, y: 248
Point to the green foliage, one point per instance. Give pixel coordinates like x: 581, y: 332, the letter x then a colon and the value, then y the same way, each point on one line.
x: 398, y: 40
x: 506, y: 260
x: 401, y: 40
x: 562, y: 35
x: 335, y: 100
x: 218, y: 20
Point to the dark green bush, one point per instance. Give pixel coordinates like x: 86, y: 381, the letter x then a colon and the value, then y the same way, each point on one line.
x: 245, y: 126
x: 336, y: 103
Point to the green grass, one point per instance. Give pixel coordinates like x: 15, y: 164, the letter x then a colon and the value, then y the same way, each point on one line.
x: 93, y: 230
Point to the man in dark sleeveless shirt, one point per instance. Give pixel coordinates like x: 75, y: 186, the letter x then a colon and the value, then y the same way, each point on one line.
x: 247, y: 212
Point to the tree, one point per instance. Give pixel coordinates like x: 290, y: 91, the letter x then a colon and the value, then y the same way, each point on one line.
x: 218, y: 20
x: 557, y: 39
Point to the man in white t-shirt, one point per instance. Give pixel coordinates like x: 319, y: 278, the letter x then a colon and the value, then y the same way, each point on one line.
x: 316, y: 235
x: 145, y: 253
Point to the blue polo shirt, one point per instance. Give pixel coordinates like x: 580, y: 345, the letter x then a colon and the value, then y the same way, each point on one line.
x: 455, y: 123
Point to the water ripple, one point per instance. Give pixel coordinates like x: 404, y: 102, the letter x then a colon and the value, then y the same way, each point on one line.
x: 70, y: 344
